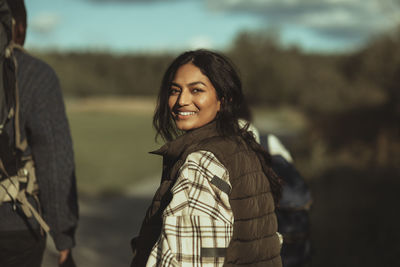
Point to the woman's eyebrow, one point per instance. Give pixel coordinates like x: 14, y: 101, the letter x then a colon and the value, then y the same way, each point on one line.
x: 194, y: 83
x: 189, y: 84
x: 175, y: 84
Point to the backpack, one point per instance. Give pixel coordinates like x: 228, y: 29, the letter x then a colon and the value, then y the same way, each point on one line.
x: 17, y: 173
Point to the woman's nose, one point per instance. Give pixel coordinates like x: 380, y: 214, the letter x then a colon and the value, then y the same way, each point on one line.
x: 184, y: 98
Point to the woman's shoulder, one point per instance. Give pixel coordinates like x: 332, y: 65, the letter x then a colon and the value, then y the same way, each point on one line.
x: 203, y: 158
x: 206, y: 162
x: 215, y: 149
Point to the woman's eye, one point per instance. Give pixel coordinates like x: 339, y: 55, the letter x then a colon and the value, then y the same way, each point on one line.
x: 197, y: 90
x: 174, y: 91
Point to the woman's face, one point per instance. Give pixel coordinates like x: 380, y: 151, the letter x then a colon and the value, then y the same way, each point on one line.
x: 192, y: 98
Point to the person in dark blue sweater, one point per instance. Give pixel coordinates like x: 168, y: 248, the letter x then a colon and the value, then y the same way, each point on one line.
x: 43, y: 123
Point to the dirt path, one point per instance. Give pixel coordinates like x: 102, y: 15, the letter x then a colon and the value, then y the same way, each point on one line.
x: 106, y: 226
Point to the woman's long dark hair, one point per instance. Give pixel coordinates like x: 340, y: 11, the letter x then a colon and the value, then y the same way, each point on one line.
x: 222, y: 74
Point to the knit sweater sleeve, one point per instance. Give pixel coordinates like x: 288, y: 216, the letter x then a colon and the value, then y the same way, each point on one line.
x: 49, y: 139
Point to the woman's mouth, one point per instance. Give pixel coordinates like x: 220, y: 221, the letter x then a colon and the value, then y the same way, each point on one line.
x: 184, y: 114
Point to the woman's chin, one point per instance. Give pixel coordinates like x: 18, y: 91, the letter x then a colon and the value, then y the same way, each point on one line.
x: 185, y: 126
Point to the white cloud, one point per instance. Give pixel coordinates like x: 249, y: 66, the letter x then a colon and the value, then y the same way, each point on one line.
x: 334, y: 18
x: 45, y: 23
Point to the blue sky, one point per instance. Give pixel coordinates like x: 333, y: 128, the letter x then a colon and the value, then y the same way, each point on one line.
x: 123, y: 26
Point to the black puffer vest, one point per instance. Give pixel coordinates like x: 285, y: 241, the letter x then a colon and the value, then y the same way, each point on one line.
x: 254, y: 241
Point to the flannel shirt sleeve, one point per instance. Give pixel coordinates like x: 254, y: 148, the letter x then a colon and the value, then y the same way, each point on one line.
x: 198, y: 222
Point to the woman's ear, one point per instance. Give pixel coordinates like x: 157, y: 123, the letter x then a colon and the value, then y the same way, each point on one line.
x: 220, y: 102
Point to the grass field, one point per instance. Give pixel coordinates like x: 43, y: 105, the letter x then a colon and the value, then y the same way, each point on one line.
x: 111, y: 149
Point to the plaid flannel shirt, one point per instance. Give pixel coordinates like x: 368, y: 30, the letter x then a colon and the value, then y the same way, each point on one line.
x: 198, y: 222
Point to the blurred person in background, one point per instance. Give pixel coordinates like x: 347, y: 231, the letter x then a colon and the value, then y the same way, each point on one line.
x: 216, y: 202
x: 45, y: 137
x: 294, y: 206
x: 295, y: 203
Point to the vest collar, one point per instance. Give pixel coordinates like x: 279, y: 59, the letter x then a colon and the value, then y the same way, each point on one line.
x: 172, y: 150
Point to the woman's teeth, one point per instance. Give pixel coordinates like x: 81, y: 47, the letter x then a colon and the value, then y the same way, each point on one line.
x: 186, y: 113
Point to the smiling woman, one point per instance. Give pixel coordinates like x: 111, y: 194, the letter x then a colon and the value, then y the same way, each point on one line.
x: 215, y: 205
